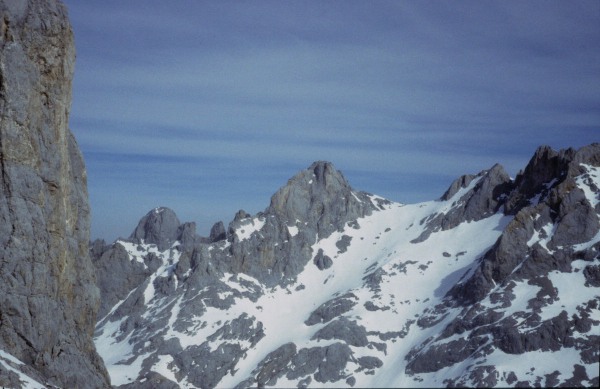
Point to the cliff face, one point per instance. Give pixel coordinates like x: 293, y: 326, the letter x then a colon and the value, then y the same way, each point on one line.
x: 48, y: 298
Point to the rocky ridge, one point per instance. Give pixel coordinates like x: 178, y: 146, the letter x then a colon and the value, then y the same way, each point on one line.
x: 330, y: 286
x: 48, y: 297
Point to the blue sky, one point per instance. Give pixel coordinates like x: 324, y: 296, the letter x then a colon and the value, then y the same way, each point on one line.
x: 208, y: 107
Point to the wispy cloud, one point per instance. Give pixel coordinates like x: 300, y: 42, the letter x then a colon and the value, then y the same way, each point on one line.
x: 213, y: 105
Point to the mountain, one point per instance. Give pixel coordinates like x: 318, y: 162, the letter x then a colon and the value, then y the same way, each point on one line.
x: 48, y: 297
x: 494, y: 284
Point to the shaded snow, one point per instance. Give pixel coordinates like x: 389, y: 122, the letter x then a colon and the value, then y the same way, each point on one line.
x: 7, y: 362
x: 590, y: 184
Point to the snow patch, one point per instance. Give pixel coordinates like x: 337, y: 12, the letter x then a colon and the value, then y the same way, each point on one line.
x: 248, y: 228
x: 587, y: 181
x: 6, y: 362
x: 543, y: 237
x: 293, y: 230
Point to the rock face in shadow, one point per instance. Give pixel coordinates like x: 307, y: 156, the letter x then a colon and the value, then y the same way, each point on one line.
x: 553, y: 199
x: 48, y: 297
x: 483, y: 200
x: 556, y: 204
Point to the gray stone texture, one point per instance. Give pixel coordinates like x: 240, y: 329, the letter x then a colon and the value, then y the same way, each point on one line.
x: 561, y: 204
x: 160, y: 227
x: 318, y: 201
x: 343, y: 329
x: 331, y: 309
x: 116, y: 276
x: 320, y: 196
x: 48, y: 297
x: 544, y: 194
x: 482, y: 201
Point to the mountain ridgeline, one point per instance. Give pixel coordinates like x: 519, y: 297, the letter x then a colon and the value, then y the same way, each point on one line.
x: 496, y: 283
x: 329, y: 286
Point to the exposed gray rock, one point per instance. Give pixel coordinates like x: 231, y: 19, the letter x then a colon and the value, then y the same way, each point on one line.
x: 337, y: 356
x: 576, y: 221
x: 343, y: 243
x: 436, y: 357
x: 151, y: 380
x: 322, y: 197
x: 160, y: 227
x: 325, y: 364
x: 187, y: 236
x: 48, y: 297
x: 482, y: 201
x: 97, y: 248
x: 117, y: 275
x: 272, y: 367
x: 217, y: 363
x: 241, y: 328
x: 458, y: 184
x: 274, y: 246
x: 344, y: 329
x: 547, y: 205
x: 545, y: 166
x: 592, y: 275
x: 374, y: 279
x: 217, y: 232
x: 332, y: 309
x: 322, y: 261
x: 319, y: 199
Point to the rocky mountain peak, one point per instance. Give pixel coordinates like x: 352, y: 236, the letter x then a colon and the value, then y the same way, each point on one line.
x: 320, y: 196
x: 463, y: 304
x: 546, y: 169
x: 470, y: 198
x: 493, y: 177
x: 160, y: 226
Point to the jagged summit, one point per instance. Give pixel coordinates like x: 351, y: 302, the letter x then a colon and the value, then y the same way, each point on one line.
x: 160, y: 226
x: 321, y: 197
x: 547, y: 168
x: 471, y: 198
x: 495, y: 175
x: 333, y: 287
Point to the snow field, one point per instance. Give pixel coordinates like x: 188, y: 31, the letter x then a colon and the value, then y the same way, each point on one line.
x: 415, y: 278
x: 390, y: 231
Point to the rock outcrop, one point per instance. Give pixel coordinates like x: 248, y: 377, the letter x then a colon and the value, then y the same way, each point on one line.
x: 555, y: 230
x: 48, y: 297
x: 473, y: 197
x: 547, y: 203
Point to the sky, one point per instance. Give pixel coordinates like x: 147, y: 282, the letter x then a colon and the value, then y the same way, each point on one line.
x: 208, y: 107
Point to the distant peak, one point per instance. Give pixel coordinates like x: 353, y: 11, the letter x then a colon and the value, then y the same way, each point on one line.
x: 321, y: 166
x: 496, y: 175
x: 160, y: 226
x: 320, y: 195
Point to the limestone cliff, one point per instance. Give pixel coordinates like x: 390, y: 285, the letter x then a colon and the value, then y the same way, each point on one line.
x: 48, y: 297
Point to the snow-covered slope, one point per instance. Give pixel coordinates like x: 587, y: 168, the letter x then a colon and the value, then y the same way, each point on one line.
x: 15, y: 373
x: 495, y: 284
